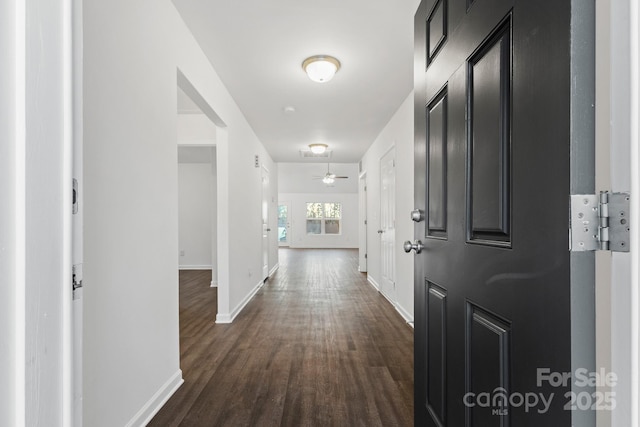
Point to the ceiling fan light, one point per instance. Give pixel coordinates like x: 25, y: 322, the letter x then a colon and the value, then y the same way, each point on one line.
x: 321, y: 68
x: 328, y: 180
x: 318, y: 148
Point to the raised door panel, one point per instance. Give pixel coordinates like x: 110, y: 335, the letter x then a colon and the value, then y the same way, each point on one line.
x: 437, y: 166
x: 436, y: 327
x: 487, y: 368
x: 489, y: 140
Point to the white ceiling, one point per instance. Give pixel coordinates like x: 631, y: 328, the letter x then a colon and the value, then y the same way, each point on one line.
x: 257, y: 47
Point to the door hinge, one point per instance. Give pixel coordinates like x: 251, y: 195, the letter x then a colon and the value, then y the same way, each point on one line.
x: 365, y: 256
x: 600, y: 222
x: 76, y: 278
x: 365, y: 222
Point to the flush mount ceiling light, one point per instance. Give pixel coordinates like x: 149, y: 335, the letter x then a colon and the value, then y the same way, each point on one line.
x: 318, y: 148
x: 321, y: 68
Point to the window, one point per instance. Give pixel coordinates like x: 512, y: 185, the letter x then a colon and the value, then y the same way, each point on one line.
x: 323, y: 218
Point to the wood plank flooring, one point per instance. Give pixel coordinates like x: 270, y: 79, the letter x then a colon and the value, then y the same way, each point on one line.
x: 317, y: 346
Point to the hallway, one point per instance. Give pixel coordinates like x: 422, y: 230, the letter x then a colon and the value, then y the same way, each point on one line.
x: 317, y: 346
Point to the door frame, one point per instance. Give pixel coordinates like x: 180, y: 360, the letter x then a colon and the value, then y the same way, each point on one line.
x: 12, y: 224
x: 623, y: 362
x: 620, y: 277
x: 77, y: 309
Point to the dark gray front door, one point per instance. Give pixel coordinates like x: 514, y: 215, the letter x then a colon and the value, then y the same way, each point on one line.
x: 492, y: 175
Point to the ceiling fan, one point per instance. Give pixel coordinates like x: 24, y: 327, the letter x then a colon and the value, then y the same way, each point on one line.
x: 329, y: 177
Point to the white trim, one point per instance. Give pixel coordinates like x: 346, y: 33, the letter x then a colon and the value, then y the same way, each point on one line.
x: 405, y: 314
x: 401, y: 310
x: 195, y: 267
x: 230, y: 317
x: 66, y: 179
x: 373, y: 282
x: 20, y: 214
x: 77, y: 227
x: 624, y: 177
x: 392, y: 147
x: 635, y: 215
x: 388, y: 298
x: 214, y: 283
x: 274, y: 269
x: 157, y: 401
x: 196, y: 143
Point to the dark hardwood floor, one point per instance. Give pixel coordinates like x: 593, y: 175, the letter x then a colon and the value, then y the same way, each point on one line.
x: 317, y: 346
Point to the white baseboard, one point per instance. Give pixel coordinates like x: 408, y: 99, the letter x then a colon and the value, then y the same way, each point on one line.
x: 214, y: 283
x: 228, y: 317
x: 195, y: 267
x: 404, y: 313
x: 274, y: 269
x: 392, y: 302
x: 361, y: 270
x: 157, y: 401
x: 373, y: 282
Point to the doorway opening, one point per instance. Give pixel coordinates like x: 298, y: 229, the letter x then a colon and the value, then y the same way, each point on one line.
x: 197, y: 205
x: 284, y: 224
x: 197, y: 158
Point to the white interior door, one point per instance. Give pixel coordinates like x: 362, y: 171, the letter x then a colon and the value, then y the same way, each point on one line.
x: 362, y: 194
x: 265, y: 223
x: 284, y: 223
x: 387, y: 229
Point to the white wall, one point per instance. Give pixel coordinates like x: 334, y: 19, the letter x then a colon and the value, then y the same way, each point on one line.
x: 195, y: 129
x: 131, y: 349
x: 196, y: 205
x: 298, y: 233
x: 399, y: 133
